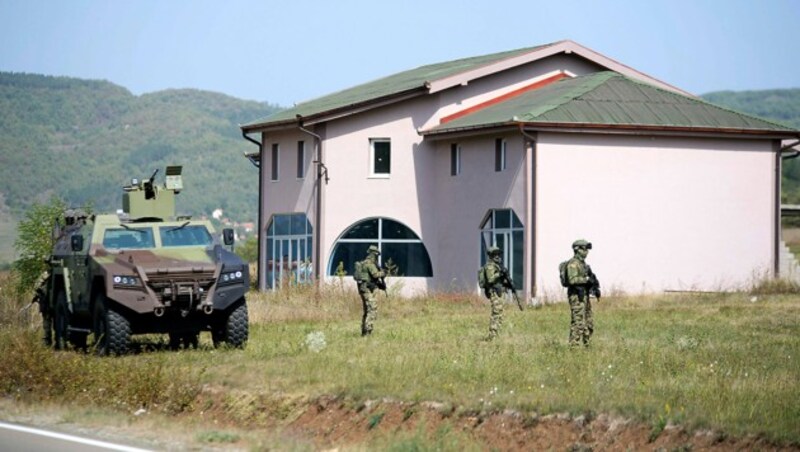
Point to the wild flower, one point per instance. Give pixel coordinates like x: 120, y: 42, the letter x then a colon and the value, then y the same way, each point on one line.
x: 315, y: 341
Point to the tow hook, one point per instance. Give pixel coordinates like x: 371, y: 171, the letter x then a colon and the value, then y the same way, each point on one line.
x: 208, y: 309
x: 159, y: 311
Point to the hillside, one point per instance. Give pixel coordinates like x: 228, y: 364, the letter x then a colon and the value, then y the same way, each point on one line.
x: 83, y: 139
x: 782, y: 105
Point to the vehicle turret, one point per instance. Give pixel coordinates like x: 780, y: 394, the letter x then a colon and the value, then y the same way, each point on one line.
x: 145, y: 200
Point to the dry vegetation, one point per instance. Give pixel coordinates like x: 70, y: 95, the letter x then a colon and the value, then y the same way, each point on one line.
x: 724, y: 365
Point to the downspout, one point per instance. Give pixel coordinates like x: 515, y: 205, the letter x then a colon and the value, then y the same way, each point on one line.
x: 530, y: 205
x: 322, y: 171
x: 262, y: 264
x: 779, y: 157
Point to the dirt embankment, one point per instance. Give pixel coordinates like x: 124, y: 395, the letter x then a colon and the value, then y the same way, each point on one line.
x: 335, y: 423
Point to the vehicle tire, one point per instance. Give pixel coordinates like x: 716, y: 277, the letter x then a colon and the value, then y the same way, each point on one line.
x: 233, y: 329
x: 112, y: 331
x: 60, y: 322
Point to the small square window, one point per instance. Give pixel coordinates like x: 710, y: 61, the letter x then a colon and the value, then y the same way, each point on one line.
x: 380, y: 151
x: 499, y: 154
x: 301, y: 159
x: 275, y: 162
x: 455, y: 159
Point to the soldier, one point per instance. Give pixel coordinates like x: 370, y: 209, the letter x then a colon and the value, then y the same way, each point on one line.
x: 40, y: 297
x: 369, y: 277
x: 491, y: 278
x: 581, y: 283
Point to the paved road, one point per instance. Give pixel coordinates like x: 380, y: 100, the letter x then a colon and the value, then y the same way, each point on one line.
x: 14, y: 437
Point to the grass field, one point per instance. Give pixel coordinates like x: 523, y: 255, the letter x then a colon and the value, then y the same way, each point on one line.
x: 727, y: 362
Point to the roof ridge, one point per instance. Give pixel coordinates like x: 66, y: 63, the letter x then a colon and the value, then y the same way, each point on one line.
x: 509, y: 54
x: 700, y: 100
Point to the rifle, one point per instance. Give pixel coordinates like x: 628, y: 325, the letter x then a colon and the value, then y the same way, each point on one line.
x: 389, y: 269
x: 593, y: 285
x: 509, y: 284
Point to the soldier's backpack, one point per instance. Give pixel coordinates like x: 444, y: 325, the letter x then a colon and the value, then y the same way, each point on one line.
x: 358, y: 273
x: 482, y: 278
x: 562, y: 273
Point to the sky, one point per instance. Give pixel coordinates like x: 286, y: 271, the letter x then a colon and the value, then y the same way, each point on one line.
x: 286, y: 52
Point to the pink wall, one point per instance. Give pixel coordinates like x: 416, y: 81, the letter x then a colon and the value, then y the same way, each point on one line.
x: 662, y: 213
x: 465, y: 199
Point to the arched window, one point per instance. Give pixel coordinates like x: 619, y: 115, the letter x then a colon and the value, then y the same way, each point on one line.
x: 396, y: 242
x: 288, y: 250
x: 502, y: 228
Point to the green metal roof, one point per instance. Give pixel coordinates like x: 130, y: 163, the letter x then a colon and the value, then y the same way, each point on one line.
x: 610, y: 99
x: 414, y: 79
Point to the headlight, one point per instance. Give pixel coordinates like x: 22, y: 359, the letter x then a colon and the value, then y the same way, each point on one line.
x: 126, y: 281
x: 231, y: 277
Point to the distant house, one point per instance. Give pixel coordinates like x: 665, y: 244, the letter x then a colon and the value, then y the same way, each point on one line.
x: 527, y: 150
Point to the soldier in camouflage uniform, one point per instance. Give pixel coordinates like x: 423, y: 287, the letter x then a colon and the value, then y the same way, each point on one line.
x: 494, y: 289
x: 369, y: 279
x: 579, y: 276
x: 40, y: 297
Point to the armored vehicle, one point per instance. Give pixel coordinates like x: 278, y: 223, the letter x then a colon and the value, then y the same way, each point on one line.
x: 143, y: 270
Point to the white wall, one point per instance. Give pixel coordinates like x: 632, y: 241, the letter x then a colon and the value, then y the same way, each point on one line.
x: 662, y: 213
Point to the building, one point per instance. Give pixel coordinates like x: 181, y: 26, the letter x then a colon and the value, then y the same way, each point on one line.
x: 527, y: 150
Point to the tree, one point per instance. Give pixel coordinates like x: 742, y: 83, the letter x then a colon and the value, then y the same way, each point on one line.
x: 35, y: 241
x: 248, y: 249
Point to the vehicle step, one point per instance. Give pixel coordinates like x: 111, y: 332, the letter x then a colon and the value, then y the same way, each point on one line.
x: 73, y: 329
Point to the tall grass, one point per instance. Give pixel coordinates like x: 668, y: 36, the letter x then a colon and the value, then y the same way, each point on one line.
x: 723, y: 361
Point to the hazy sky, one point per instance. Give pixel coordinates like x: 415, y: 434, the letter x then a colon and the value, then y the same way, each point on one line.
x: 293, y: 50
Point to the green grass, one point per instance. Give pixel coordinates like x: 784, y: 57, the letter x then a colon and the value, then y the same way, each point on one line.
x: 723, y: 362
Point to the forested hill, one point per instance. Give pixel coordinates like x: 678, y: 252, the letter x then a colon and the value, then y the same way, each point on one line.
x: 782, y: 105
x: 82, y: 140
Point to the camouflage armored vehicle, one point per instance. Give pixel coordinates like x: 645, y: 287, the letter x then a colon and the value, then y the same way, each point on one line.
x: 143, y: 270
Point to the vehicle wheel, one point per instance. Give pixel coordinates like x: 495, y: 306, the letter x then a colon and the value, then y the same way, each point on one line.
x: 233, y: 330
x: 112, y: 331
x: 60, y: 322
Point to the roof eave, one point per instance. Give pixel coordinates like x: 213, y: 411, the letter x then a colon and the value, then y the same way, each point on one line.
x: 624, y: 129
x: 336, y: 113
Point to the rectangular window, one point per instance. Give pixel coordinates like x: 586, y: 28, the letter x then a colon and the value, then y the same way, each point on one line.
x: 274, y: 161
x: 499, y: 154
x: 301, y: 159
x: 455, y: 159
x: 380, y: 151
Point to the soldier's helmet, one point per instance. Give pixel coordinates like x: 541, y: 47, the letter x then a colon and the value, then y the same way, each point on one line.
x: 493, y: 250
x: 373, y: 249
x: 583, y: 243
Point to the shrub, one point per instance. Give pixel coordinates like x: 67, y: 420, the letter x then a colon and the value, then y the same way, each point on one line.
x: 35, y: 241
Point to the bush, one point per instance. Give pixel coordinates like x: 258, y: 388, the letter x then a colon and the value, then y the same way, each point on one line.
x: 35, y: 241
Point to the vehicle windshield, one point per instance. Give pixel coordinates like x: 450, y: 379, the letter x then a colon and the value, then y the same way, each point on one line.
x: 186, y: 235
x: 128, y: 238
